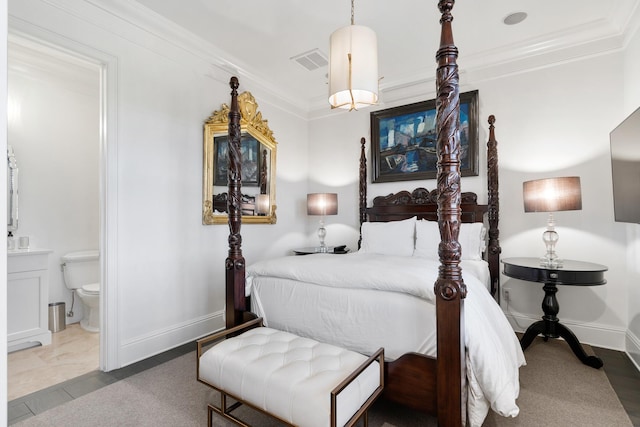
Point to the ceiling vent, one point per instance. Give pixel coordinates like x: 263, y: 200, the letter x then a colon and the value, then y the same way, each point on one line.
x: 311, y: 60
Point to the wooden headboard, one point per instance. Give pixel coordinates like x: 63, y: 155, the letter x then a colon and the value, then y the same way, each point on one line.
x: 423, y: 204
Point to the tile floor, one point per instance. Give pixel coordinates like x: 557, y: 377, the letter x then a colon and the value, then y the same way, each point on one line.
x: 73, y: 352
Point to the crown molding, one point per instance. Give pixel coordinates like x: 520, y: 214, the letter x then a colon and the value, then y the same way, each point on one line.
x: 222, y: 65
x: 631, y: 24
x: 135, y: 23
x: 561, y: 47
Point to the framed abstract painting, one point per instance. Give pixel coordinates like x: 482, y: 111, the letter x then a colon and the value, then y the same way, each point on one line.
x: 403, y: 140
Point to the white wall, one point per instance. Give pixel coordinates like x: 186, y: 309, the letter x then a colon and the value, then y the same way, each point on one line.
x: 334, y: 153
x: 168, y: 287
x: 552, y: 121
x: 54, y: 104
x: 631, y: 103
x: 561, y: 128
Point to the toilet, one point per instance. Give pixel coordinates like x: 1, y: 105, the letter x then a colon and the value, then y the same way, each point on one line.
x: 81, y: 272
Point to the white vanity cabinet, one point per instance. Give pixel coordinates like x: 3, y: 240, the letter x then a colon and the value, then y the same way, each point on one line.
x: 28, y: 298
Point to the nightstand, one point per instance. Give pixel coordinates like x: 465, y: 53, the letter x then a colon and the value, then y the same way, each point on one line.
x: 316, y: 250
x: 573, y: 273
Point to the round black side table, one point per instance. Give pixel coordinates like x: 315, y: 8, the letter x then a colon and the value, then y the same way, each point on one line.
x: 575, y: 273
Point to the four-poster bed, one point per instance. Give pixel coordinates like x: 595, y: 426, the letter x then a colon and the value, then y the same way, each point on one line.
x: 434, y: 385
x: 383, y: 296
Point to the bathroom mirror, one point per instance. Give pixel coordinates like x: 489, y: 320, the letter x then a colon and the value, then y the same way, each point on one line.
x: 258, y: 148
x: 12, y: 190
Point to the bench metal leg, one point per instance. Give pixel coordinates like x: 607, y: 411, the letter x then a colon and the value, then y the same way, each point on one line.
x: 224, y: 411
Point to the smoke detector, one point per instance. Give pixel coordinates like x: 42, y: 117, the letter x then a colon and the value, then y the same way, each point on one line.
x: 515, y: 18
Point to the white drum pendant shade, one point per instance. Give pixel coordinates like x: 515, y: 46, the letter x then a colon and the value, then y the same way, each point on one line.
x: 353, y: 67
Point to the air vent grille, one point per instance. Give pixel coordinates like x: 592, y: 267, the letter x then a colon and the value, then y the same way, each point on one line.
x: 311, y: 60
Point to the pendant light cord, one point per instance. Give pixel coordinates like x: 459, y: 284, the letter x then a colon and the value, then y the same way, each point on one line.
x: 352, y: 14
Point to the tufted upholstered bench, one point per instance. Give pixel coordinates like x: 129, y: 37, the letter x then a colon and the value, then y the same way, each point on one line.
x: 299, y: 381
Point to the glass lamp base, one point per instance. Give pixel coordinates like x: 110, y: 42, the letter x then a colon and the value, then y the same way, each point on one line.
x: 550, y: 263
x: 322, y: 232
x: 550, y: 238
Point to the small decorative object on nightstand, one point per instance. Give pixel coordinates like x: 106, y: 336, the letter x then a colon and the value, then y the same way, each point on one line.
x: 575, y: 273
x: 343, y: 249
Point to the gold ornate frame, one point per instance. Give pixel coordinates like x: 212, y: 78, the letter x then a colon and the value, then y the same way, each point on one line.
x: 253, y: 124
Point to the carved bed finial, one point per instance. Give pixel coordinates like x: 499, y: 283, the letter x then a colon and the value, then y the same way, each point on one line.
x: 445, y: 7
x: 249, y: 114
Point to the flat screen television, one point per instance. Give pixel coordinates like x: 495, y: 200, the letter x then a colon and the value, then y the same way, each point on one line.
x: 625, y: 168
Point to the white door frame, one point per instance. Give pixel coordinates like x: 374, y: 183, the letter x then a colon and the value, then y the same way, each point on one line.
x: 108, y: 199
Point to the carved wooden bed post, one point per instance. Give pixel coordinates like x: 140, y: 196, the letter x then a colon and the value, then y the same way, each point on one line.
x: 234, y: 264
x: 449, y: 288
x: 493, y: 246
x: 363, y: 187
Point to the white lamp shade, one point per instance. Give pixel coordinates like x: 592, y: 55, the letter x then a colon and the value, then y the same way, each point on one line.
x: 552, y: 194
x: 353, y: 83
x: 322, y: 204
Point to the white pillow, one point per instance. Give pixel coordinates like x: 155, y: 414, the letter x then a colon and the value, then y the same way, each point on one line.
x: 471, y: 238
x: 389, y: 238
x: 427, y: 239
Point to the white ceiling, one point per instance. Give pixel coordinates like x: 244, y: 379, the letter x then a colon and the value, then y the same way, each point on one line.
x: 260, y: 37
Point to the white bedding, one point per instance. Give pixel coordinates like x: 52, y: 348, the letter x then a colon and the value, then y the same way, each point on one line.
x: 364, y: 301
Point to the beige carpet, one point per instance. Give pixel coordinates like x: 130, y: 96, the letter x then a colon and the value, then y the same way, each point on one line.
x: 556, y: 390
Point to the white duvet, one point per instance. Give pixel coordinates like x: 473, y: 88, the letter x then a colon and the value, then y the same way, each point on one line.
x: 493, y: 351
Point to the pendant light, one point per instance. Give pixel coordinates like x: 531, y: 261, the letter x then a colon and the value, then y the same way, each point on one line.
x: 353, y: 67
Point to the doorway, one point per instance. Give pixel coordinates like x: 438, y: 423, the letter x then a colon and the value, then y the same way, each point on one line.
x: 54, y: 127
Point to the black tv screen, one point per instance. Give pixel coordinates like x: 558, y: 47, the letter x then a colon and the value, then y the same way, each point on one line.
x: 625, y: 167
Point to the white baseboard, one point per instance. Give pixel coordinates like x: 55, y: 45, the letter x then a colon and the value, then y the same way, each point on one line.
x: 148, y: 345
x: 592, y: 333
x: 633, y: 348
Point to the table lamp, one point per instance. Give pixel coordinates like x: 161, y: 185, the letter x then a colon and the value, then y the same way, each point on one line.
x: 262, y: 204
x: 322, y: 204
x: 552, y: 195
